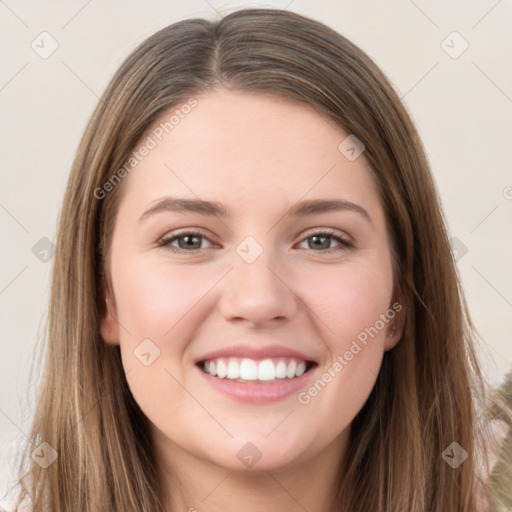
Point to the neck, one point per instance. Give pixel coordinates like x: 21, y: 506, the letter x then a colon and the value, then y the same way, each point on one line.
x: 197, y: 485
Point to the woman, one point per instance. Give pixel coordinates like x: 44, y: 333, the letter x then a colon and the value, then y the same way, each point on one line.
x: 254, y: 303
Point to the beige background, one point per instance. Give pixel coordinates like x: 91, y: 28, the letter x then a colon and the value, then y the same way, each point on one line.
x: 462, y: 107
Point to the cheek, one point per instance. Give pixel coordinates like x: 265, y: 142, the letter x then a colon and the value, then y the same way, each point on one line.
x: 158, y: 302
x: 351, y: 303
x: 347, y: 299
x: 153, y: 298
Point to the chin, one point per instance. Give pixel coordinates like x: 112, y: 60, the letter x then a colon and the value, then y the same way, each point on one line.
x: 253, y: 453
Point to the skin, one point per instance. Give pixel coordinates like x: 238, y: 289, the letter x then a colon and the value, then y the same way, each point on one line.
x: 257, y: 155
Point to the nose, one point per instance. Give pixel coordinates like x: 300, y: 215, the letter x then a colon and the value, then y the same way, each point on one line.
x: 258, y: 293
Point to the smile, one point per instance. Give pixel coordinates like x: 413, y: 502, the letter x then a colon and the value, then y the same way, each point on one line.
x: 256, y: 381
x: 253, y: 370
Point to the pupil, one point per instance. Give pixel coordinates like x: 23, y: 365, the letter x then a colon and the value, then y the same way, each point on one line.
x: 189, y: 240
x: 324, y: 238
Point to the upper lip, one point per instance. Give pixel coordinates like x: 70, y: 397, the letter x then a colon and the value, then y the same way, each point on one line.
x: 255, y: 352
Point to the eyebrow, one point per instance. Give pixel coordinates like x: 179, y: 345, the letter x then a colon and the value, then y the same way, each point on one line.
x: 214, y: 208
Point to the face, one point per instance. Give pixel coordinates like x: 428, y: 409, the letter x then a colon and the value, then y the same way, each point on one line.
x: 288, y: 305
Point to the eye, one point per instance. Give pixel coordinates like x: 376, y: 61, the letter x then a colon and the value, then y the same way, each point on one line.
x: 191, y: 241
x: 188, y: 241
x: 320, y: 241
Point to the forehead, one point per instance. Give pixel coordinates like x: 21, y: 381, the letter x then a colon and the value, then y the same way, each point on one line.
x: 250, y: 151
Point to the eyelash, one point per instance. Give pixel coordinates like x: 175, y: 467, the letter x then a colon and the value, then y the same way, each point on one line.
x: 166, y: 241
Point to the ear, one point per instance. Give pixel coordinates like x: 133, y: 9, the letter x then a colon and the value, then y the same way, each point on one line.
x: 395, y: 328
x: 109, y: 326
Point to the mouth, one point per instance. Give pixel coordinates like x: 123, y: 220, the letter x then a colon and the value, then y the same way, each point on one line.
x: 256, y: 374
x: 245, y: 370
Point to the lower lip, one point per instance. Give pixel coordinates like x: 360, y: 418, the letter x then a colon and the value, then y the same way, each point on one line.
x: 264, y: 392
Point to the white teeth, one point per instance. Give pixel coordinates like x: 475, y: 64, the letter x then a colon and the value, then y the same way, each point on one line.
x: 290, y: 371
x: 266, y: 370
x: 249, y: 369
x: 221, y: 369
x: 301, y: 368
x: 281, y: 370
x: 233, y: 370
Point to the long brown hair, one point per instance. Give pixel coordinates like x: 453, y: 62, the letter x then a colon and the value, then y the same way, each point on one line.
x: 429, y: 386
